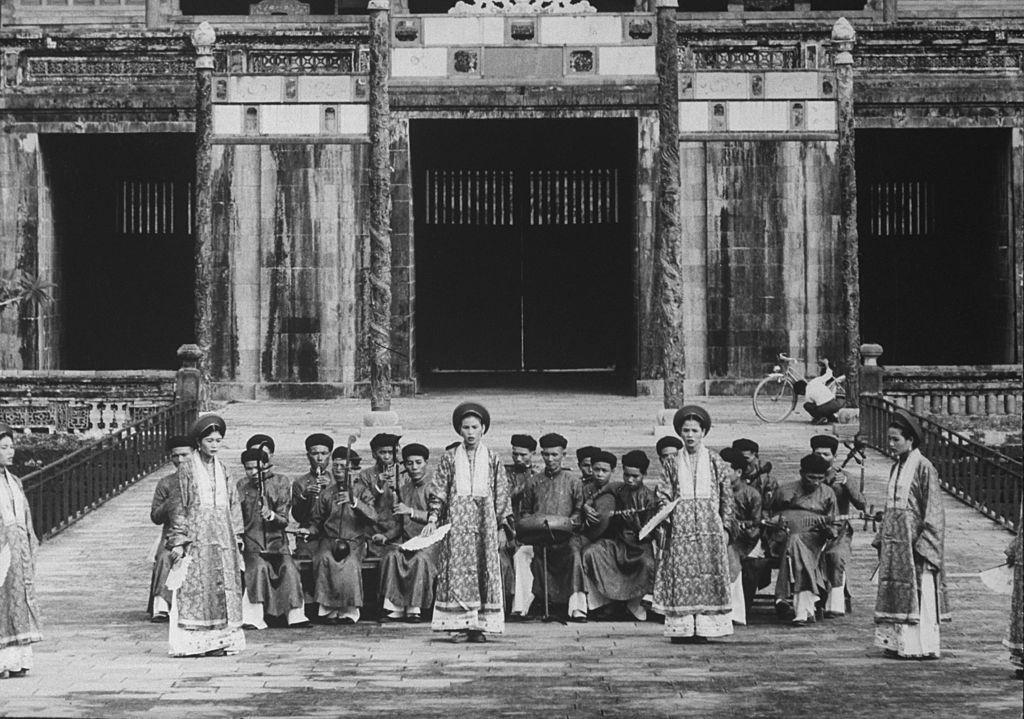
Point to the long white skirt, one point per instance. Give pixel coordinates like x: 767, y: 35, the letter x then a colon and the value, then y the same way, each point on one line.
x: 914, y: 640
x: 699, y: 625
x: 188, y: 643
x: 16, y: 658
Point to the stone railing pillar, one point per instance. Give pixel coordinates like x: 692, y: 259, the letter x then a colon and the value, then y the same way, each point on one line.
x: 871, y: 373
x: 668, y: 277
x: 843, y: 38
x: 889, y: 10
x: 203, y: 38
x: 189, y: 385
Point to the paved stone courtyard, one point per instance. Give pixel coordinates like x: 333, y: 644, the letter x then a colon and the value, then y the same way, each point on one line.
x: 101, y: 657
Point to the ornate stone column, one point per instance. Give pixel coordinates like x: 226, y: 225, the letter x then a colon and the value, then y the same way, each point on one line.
x: 203, y: 38
x: 668, y: 279
x: 379, y: 315
x: 843, y: 37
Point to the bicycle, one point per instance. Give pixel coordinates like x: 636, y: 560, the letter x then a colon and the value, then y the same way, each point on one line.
x: 776, y: 395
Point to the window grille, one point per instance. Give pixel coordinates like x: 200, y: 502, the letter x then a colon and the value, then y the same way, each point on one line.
x: 904, y: 208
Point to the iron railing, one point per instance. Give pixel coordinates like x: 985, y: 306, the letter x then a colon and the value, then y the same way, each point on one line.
x: 973, y: 473
x: 60, y: 493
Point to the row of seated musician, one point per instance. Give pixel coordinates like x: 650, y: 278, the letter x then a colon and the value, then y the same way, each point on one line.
x: 345, y: 554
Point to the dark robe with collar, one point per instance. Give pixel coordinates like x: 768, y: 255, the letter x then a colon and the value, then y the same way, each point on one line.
x: 407, y: 578
x: 800, y: 568
x: 559, y: 494
x: 620, y: 566
x: 271, y: 575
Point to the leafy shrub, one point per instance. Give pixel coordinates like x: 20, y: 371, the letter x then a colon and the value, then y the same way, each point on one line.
x: 33, y: 451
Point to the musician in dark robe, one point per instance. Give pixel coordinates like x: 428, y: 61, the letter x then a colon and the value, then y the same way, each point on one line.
x: 557, y: 492
x: 517, y: 577
x: 381, y: 481
x: 307, y: 488
x: 619, y: 567
x: 911, y: 601
x: 584, y: 460
x: 807, y: 508
x: 161, y: 511
x: 756, y: 473
x: 407, y: 578
x: 341, y: 528
x: 838, y: 551
x: 748, y: 573
x: 668, y: 446
x: 272, y: 586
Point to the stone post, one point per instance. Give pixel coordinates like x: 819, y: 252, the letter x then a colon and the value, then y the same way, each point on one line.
x: 379, y: 324
x: 889, y: 10
x: 843, y: 37
x: 188, y: 384
x: 668, y: 279
x: 203, y: 38
x: 155, y: 14
x: 871, y: 372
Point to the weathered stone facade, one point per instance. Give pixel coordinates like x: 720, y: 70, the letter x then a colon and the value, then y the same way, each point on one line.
x: 763, y: 254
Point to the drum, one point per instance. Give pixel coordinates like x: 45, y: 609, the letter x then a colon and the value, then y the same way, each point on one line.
x: 544, y: 529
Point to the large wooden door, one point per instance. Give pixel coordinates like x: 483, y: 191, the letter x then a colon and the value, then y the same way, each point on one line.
x: 523, y: 257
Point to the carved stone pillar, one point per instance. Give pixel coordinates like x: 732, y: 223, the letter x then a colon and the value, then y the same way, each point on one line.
x: 379, y: 319
x: 843, y: 37
x: 668, y: 280
x: 870, y: 372
x: 189, y: 384
x: 155, y: 14
x: 889, y: 10
x: 203, y: 39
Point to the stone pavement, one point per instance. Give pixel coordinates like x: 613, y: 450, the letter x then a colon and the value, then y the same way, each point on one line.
x: 101, y: 658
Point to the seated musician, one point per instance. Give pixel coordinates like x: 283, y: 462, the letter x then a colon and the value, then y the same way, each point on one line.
x: 381, y: 480
x: 584, y: 459
x: 668, y: 446
x: 407, y: 578
x: 339, y: 529
x: 748, y: 574
x: 619, y: 567
x: 306, y: 489
x: 272, y: 584
x: 557, y: 492
x: 165, y: 498
x: 516, y: 558
x: 838, y: 551
x: 756, y: 473
x: 806, y: 508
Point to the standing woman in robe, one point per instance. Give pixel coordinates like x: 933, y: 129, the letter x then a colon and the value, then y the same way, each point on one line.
x: 1015, y: 639
x: 911, y: 588
x: 206, y: 613
x: 469, y: 490
x: 19, y: 614
x: 692, y: 588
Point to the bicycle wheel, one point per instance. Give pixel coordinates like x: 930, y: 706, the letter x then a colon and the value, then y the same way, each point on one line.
x: 774, y: 398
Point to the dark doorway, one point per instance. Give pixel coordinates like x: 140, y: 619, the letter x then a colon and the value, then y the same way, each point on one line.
x: 524, y: 245
x: 123, y: 225
x: 936, y: 262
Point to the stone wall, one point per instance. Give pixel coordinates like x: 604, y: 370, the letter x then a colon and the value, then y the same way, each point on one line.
x: 290, y: 247
x: 28, y: 334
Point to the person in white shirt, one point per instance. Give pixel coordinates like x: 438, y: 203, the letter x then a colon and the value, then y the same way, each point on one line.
x: 821, y: 402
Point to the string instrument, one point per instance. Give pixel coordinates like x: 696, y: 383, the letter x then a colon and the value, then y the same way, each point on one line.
x: 346, y: 478
x: 599, y: 529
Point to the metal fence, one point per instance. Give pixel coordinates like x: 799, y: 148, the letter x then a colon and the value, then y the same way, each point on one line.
x: 62, y: 492
x: 973, y: 473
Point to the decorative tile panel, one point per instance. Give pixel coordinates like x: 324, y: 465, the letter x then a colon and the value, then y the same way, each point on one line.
x: 465, y: 61
x: 580, y: 30
x: 782, y: 85
x: 579, y: 61
x: 626, y: 60
x: 419, y: 62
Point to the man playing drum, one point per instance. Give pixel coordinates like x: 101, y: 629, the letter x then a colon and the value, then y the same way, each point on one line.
x: 558, y: 493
